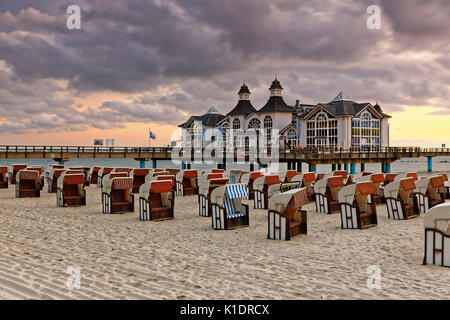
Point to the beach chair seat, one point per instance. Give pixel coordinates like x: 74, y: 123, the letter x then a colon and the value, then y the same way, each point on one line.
x: 186, y: 183
x: 117, y: 196
x: 93, y: 175
x: 399, y: 202
x: 15, y: 168
x: 70, y: 189
x: 204, y: 194
x: 356, y: 212
x: 228, y: 211
x: 157, y: 200
x: 285, y: 217
x: 436, y: 223
x: 428, y: 192
x: 27, y: 184
x: 263, y: 188
x: 326, y: 194
x: 307, y: 181
x: 4, y: 179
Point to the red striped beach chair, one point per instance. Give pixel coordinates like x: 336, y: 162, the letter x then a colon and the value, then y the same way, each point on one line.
x: 70, y: 190
x: 40, y: 170
x: 308, y: 180
x: 93, y: 175
x: 101, y: 173
x: 285, y: 218
x: 3, y: 177
x: 437, y: 235
x: 251, y: 179
x: 326, y: 193
x: 401, y: 204
x: 117, y: 196
x: 27, y: 184
x: 13, y: 172
x: 85, y: 171
x: 204, y: 196
x: 186, y: 183
x: 138, y: 176
x: 377, y: 179
x: 228, y: 211
x: 52, y: 179
x: 356, y: 212
x: 264, y: 188
x: 446, y: 188
x: 157, y: 200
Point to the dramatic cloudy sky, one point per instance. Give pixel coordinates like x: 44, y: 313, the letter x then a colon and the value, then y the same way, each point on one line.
x: 152, y: 63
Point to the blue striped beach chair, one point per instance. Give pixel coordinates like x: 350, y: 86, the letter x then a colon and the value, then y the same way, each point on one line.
x: 228, y: 211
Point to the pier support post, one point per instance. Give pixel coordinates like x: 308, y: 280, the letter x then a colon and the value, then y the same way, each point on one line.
x: 352, y: 168
x: 188, y: 166
x: 346, y: 167
x: 383, y: 167
x: 222, y: 166
x: 299, y: 166
x: 386, y: 167
x: 339, y: 166
x: 154, y: 163
x: 142, y: 164
x: 252, y: 167
x: 363, y: 167
x: 312, y: 167
x: 183, y: 165
x: 333, y: 167
x: 430, y: 164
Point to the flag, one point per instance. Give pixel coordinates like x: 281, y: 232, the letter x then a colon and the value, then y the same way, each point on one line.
x: 151, y: 135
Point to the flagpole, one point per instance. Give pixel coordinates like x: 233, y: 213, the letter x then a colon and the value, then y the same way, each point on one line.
x: 149, y: 138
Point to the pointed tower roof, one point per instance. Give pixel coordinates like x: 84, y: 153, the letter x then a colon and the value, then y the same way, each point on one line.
x: 244, y: 106
x: 341, y: 97
x: 212, y: 110
x: 276, y: 85
x: 276, y: 102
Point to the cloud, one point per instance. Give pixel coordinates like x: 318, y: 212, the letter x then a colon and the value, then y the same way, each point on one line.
x: 177, y: 58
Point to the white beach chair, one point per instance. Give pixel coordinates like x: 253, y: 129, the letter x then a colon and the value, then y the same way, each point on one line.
x: 285, y: 217
x: 356, y: 213
x: 204, y: 204
x: 437, y: 235
x: 70, y: 190
x: 156, y: 200
x: 326, y: 193
x: 399, y: 202
x: 228, y: 211
x: 186, y: 183
x: 264, y: 188
x: 117, y: 196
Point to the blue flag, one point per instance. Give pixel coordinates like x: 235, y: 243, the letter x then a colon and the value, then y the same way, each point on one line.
x: 152, y: 136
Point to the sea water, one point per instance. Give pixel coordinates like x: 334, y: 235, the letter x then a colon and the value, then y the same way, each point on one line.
x: 440, y: 164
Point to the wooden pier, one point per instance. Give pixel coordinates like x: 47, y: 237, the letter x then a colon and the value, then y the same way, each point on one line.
x: 292, y: 156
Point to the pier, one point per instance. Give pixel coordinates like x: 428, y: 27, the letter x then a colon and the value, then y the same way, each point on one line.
x: 340, y: 158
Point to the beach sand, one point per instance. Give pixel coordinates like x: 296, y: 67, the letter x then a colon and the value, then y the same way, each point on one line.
x: 121, y: 257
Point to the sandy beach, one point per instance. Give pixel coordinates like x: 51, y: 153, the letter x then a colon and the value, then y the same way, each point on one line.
x: 121, y: 257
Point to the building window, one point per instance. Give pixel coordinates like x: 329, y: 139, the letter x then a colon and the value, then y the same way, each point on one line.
x: 254, y: 124
x: 268, y: 122
x: 366, y: 131
x: 268, y: 128
x: 291, y: 138
x: 236, y: 123
x: 321, y: 131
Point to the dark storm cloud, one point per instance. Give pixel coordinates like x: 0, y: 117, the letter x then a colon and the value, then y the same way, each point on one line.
x: 178, y: 57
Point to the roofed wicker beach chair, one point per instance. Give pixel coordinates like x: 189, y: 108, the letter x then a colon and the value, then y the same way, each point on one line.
x: 401, y: 205
x: 52, y: 167
x: 377, y: 179
x: 117, y: 196
x: 264, y: 188
x: 446, y: 188
x: 93, y: 175
x: 286, y: 219
x: 39, y: 169
x: 427, y: 192
x: 204, y: 193
x: 52, y: 179
x: 251, y: 179
x: 156, y: 200
x: 4, y: 177
x: 70, y: 190
x: 356, y: 212
x: 308, y: 180
x: 13, y: 172
x: 187, y: 183
x: 437, y: 235
x: 27, y: 184
x: 101, y: 173
x: 326, y: 193
x: 228, y: 211
x: 348, y: 179
x: 138, y: 176
x: 290, y: 174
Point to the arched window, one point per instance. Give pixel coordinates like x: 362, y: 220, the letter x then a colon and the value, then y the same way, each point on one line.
x: 321, y: 131
x: 236, y: 123
x: 366, y: 131
x: 291, y: 138
x: 254, y: 124
x: 268, y: 122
